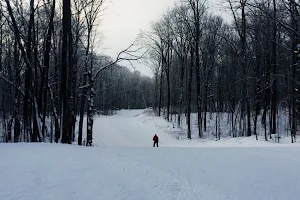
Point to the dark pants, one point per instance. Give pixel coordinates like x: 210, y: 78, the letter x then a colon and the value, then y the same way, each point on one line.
x: 155, y: 143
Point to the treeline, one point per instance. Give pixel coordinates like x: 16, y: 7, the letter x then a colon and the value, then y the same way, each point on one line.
x: 119, y: 88
x: 50, y: 73
x: 248, y: 68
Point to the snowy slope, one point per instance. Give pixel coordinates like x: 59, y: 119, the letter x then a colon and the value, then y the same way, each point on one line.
x: 69, y: 172
x: 135, y: 128
x: 127, y: 129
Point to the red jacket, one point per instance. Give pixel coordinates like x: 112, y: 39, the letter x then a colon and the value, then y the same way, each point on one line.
x: 155, y: 138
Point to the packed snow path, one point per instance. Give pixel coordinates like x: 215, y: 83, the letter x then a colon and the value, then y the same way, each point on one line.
x: 135, y: 128
x: 68, y: 172
x: 126, y: 129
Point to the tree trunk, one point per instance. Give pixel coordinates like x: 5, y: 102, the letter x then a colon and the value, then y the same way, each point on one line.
x: 1, y: 41
x: 36, y: 126
x: 190, y: 78
x: 295, y: 65
x: 274, y: 73
x: 205, y: 95
x: 90, y: 119
x: 55, y: 116
x: 4, y: 118
x: 258, y: 81
x: 44, y: 83
x: 27, y: 110
x: 168, y: 63
x: 17, y: 128
x: 81, y: 113
x: 245, y: 103
x: 181, y: 92
x: 85, y: 90
x: 66, y: 75
x: 155, y: 92
x: 160, y: 89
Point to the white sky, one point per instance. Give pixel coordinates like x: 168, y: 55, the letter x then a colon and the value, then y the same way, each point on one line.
x: 124, y: 19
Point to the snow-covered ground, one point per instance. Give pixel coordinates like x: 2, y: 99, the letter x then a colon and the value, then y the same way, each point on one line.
x: 123, y: 166
x: 69, y: 172
x: 131, y: 128
x: 135, y: 128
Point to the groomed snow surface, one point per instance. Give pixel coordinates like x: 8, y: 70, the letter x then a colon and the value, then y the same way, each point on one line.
x: 135, y: 128
x: 124, y: 166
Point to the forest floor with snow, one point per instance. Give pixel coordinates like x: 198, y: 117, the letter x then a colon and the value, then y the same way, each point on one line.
x: 123, y: 166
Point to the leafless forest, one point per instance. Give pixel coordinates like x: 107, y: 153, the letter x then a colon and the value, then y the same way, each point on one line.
x: 51, y: 76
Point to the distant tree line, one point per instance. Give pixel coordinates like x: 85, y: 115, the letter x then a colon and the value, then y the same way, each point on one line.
x: 248, y: 68
x: 50, y: 73
x: 119, y: 88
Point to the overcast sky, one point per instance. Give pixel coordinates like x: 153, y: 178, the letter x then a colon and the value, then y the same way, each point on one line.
x: 124, y: 19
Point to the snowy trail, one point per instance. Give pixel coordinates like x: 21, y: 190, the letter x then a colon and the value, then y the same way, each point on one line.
x: 51, y: 171
x: 125, y: 129
x: 56, y: 171
x: 135, y: 128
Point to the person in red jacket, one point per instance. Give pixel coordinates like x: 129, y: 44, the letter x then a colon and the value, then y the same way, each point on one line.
x: 155, y: 140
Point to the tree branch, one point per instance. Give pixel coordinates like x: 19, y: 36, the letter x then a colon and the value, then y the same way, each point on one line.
x: 12, y: 84
x: 120, y: 58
